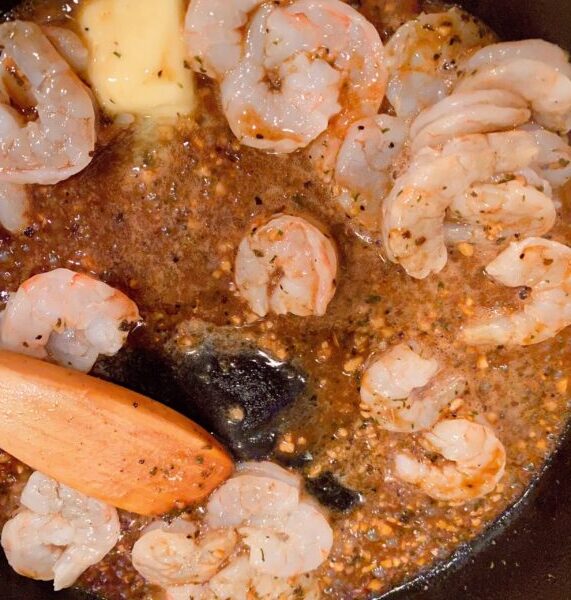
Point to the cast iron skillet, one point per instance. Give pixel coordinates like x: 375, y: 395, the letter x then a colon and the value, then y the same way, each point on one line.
x: 527, y: 554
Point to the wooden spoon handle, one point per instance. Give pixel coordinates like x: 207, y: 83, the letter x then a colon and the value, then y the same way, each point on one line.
x: 104, y: 440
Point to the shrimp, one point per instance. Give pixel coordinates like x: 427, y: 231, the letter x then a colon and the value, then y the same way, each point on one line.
x: 213, y: 33
x: 60, y: 142
x: 423, y: 56
x: 304, y: 64
x: 173, y: 555
x: 286, y: 535
x: 14, y: 205
x: 59, y: 532
x: 519, y: 207
x: 70, y: 47
x: 240, y: 581
x: 365, y: 164
x: 66, y: 317
x: 534, y: 49
x: 405, y: 391
x: 477, y: 462
x: 414, y: 211
x: 287, y: 266
x: 523, y: 69
x: 543, y: 266
x: 460, y: 114
x: 554, y: 159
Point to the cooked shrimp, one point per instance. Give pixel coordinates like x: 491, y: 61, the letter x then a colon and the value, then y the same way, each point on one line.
x: 69, y: 45
x: 240, y: 581
x: 533, y: 49
x: 304, y: 64
x: 543, y: 266
x: 13, y: 207
x: 414, y: 211
x: 423, y: 56
x: 59, y: 533
x: 477, y: 462
x: 214, y: 34
x: 405, y: 391
x: 365, y: 165
x: 174, y: 555
x: 545, y: 86
x: 66, y: 317
x: 286, y: 535
x: 60, y: 142
x: 554, y: 159
x: 464, y: 113
x: 518, y: 208
x: 287, y: 266
x: 254, y: 489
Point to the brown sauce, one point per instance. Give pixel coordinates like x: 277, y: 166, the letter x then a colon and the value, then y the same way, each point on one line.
x: 160, y: 212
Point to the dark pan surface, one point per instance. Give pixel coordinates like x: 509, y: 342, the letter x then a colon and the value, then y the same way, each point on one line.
x: 527, y: 556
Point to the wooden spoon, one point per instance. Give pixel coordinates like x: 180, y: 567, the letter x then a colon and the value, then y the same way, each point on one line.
x: 104, y: 440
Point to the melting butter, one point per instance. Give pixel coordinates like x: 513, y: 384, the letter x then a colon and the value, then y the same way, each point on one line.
x: 137, y: 56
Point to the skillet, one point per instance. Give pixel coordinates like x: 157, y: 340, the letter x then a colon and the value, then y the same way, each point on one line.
x: 526, y: 554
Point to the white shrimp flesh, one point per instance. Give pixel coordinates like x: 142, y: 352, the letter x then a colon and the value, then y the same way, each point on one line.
x: 553, y: 162
x: 423, y: 57
x: 214, y: 34
x: 240, y: 581
x: 70, y: 47
x: 175, y: 554
x: 481, y: 111
x: 415, y: 209
x: 60, y: 141
x: 517, y: 206
x: 475, y: 462
x: 543, y: 267
x: 67, y: 317
x: 287, y: 266
x: 301, y: 65
x: 14, y: 204
x: 58, y: 533
x: 365, y: 166
x: 535, y: 70
x: 286, y: 534
x: 406, y: 392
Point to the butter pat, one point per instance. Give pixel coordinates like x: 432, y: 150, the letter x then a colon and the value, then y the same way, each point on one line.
x: 137, y: 56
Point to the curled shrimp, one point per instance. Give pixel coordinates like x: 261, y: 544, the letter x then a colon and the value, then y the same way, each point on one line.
x: 14, y: 204
x: 476, y: 462
x: 214, y: 34
x: 70, y: 47
x: 67, y: 317
x: 303, y: 64
x: 173, y: 555
x: 543, y: 266
x: 405, y: 391
x: 520, y: 207
x: 60, y: 142
x: 481, y: 111
x: 240, y: 581
x: 553, y: 162
x: 521, y: 69
x: 286, y: 535
x: 414, y: 211
x: 365, y: 165
x: 423, y: 56
x: 59, y: 532
x: 287, y: 266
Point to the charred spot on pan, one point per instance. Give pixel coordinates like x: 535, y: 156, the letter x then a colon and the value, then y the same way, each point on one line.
x: 330, y: 492
x: 240, y: 395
